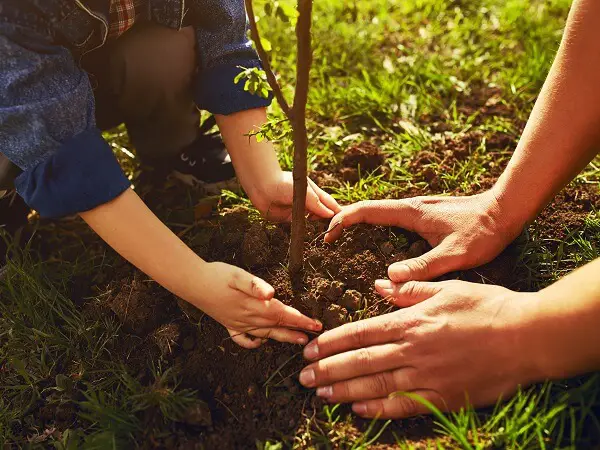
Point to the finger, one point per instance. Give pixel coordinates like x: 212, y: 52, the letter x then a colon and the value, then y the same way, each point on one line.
x: 275, y: 314
x: 315, y: 206
x: 354, y: 364
x: 398, y: 406
x: 242, y: 339
x: 437, y: 262
x: 377, y: 385
x: 251, y: 285
x: 363, y: 333
x: 281, y: 335
x: 326, y: 198
x: 402, y: 213
x: 409, y: 293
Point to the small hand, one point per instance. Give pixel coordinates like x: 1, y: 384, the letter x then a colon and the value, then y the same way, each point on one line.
x: 465, y: 232
x: 459, y: 341
x: 244, y: 304
x: 274, y: 199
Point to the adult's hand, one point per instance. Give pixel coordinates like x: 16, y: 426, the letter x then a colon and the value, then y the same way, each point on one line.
x: 465, y: 232
x: 465, y: 340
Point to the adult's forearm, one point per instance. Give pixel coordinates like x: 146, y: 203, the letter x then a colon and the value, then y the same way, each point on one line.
x: 130, y: 228
x: 565, y: 330
x: 563, y: 131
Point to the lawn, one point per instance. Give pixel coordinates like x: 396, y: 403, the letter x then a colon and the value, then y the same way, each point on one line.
x: 408, y: 97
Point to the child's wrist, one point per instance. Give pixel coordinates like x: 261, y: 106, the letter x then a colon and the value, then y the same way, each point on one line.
x: 262, y: 186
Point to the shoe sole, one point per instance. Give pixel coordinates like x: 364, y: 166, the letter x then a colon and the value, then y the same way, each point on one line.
x: 210, y: 188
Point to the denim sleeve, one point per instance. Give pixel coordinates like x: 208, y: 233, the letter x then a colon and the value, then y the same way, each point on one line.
x: 47, y: 127
x: 223, y: 46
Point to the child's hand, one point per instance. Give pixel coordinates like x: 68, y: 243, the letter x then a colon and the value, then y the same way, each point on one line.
x: 241, y: 302
x: 244, y: 304
x: 274, y: 199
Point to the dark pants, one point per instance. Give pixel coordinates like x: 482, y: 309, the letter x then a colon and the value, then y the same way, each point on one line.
x: 143, y: 79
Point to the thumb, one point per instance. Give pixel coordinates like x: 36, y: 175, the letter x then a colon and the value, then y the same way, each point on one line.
x: 407, y: 294
x: 435, y: 263
x: 315, y: 206
x: 251, y: 285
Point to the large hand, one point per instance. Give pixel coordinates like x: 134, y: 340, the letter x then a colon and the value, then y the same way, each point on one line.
x: 274, y: 199
x: 244, y: 304
x: 465, y: 232
x: 464, y: 341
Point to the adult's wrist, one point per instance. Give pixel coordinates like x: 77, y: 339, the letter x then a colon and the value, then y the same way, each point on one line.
x: 525, y: 336
x: 514, y: 210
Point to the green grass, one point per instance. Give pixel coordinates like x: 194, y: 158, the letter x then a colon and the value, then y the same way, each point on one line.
x: 386, y: 71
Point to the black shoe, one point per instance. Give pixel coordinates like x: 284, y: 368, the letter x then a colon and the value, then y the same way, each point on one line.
x: 13, y: 215
x: 206, y: 162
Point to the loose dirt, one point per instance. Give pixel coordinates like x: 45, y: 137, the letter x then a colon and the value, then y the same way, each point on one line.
x: 255, y: 395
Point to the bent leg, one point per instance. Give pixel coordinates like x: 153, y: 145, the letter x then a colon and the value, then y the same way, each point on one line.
x: 144, y: 79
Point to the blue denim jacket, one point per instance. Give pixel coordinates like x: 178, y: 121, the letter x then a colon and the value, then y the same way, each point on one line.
x: 47, y: 124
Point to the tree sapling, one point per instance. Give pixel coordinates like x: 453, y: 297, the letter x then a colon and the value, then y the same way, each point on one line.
x: 296, y: 114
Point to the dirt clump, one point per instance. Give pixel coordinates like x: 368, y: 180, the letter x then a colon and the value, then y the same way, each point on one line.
x: 138, y: 305
x: 198, y: 415
x: 328, y: 291
x: 351, y: 300
x: 366, y: 157
x: 334, y: 316
x: 350, y: 175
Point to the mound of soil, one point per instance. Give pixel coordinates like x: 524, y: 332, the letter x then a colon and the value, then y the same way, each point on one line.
x: 365, y: 156
x: 255, y: 395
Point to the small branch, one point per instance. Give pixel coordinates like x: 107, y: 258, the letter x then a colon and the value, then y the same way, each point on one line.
x: 304, y: 58
x: 266, y: 62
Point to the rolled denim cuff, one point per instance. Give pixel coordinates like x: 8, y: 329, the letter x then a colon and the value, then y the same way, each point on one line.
x: 216, y: 91
x: 81, y: 175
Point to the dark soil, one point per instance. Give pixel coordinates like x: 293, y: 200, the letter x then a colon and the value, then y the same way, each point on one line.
x: 255, y: 395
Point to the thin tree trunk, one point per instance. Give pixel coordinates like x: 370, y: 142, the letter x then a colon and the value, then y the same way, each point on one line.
x: 300, y: 171
x: 297, y: 116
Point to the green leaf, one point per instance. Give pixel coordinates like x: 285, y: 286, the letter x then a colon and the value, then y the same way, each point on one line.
x: 266, y: 44
x: 239, y: 77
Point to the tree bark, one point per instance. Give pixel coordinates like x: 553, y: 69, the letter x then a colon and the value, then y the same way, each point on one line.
x: 297, y: 116
x: 300, y: 170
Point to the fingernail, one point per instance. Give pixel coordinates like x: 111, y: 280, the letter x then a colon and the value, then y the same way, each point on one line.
x: 325, y: 391
x: 318, y: 325
x: 311, y: 351
x: 399, y: 272
x: 384, y: 287
x: 302, y: 341
x: 359, y: 408
x: 307, y: 377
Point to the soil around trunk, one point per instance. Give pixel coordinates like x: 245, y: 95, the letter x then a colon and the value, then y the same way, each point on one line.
x: 255, y: 395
